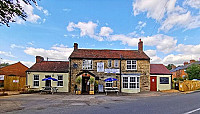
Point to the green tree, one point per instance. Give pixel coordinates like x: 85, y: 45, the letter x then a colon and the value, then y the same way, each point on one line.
x: 169, y: 66
x: 4, y: 64
x: 12, y: 8
x: 193, y: 71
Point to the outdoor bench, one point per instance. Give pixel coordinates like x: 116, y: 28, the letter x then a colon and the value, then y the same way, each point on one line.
x: 49, y: 90
x: 111, y: 89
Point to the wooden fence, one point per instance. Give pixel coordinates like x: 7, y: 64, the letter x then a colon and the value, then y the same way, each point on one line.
x: 14, y: 83
x: 189, y: 85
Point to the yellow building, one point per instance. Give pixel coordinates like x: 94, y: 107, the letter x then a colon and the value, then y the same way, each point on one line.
x: 160, y: 77
x: 58, y: 70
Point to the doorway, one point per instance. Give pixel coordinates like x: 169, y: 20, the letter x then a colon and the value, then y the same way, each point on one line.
x: 48, y: 82
x: 85, y: 85
x: 153, y: 83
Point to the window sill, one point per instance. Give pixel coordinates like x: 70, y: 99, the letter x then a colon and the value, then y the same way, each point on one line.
x: 60, y: 86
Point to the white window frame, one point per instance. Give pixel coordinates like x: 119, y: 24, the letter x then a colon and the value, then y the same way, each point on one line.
x: 36, y: 80
x: 109, y: 82
x: 116, y: 61
x: 86, y: 66
x: 60, y: 81
x: 131, y: 64
x: 137, y: 82
x: 109, y: 61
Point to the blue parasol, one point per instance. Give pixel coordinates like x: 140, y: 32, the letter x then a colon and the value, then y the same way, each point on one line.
x: 49, y: 78
x: 110, y: 79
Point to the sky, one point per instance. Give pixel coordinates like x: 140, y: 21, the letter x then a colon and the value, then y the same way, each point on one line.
x: 169, y: 29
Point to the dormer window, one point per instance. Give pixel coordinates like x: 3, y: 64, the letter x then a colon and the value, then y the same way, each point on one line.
x: 87, y: 64
x: 131, y: 65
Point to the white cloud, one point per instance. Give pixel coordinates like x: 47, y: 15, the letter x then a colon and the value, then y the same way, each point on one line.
x: 8, y: 54
x: 26, y: 63
x: 57, y: 52
x: 46, y: 12
x: 105, y: 31
x: 87, y: 29
x: 141, y: 25
x: 168, y: 13
x: 154, y: 58
x: 160, y: 41
x: 188, y: 49
x: 66, y: 10
x: 16, y: 46
x: 192, y: 3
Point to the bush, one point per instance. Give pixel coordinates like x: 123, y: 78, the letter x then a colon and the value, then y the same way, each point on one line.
x: 78, y: 80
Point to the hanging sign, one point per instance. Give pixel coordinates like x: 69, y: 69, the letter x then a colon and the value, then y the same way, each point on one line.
x: 1, y: 77
x: 15, y: 81
x: 100, y: 67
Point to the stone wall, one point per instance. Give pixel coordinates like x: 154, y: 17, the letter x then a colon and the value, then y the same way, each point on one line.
x: 143, y: 68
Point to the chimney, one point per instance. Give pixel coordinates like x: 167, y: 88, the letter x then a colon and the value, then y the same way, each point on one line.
x: 39, y: 59
x: 140, y: 45
x: 185, y: 63
x: 75, y: 46
x: 192, y: 61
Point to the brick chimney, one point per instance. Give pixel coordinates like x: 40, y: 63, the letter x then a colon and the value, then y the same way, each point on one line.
x: 39, y: 59
x: 140, y: 45
x: 75, y: 46
x: 185, y: 63
x: 192, y: 61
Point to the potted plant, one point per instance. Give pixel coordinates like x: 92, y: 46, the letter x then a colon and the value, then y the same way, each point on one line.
x: 78, y: 81
x: 91, y: 80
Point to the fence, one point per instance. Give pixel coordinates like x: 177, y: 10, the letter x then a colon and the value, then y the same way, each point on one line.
x: 14, y: 83
x: 189, y: 85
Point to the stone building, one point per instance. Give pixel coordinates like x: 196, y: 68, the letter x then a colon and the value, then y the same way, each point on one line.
x: 131, y: 68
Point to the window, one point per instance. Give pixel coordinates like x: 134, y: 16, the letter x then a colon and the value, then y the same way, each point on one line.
x: 87, y: 64
x: 131, y: 82
x: 164, y: 80
x: 35, y: 80
x: 109, y: 63
x: 125, y: 82
x: 60, y: 80
x: 131, y: 64
x: 116, y: 63
x: 109, y: 83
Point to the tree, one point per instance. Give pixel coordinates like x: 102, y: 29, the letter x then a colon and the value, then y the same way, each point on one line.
x: 9, y: 9
x: 193, y: 71
x: 169, y: 66
x: 4, y: 64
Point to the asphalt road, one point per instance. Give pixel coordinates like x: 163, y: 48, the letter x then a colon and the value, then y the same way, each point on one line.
x: 178, y: 104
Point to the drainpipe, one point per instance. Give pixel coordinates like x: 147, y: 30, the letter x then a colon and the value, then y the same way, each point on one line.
x: 70, y: 82
x: 120, y: 74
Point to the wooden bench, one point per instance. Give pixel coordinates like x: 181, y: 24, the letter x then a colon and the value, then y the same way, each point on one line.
x: 49, y: 90
x: 111, y: 89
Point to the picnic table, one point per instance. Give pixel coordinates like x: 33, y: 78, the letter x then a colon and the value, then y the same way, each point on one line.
x: 49, y: 90
x: 111, y: 89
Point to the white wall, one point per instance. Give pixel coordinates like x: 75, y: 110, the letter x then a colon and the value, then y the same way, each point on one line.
x: 163, y: 86
x: 53, y: 83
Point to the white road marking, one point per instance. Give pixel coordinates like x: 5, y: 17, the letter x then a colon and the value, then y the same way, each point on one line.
x: 192, y: 111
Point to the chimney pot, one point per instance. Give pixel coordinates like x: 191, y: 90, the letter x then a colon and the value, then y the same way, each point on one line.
x: 75, y: 46
x: 192, y: 61
x: 185, y: 63
x: 140, y: 45
x: 39, y: 59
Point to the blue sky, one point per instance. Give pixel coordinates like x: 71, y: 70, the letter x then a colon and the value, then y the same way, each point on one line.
x: 169, y: 29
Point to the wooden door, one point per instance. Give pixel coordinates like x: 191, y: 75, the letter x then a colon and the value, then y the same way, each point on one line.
x: 153, y: 83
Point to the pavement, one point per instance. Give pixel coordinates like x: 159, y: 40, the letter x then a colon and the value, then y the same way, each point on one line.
x: 26, y: 103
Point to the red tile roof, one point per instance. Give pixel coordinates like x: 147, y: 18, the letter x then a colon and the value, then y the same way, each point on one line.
x: 50, y: 66
x: 17, y: 69
x: 158, y: 69
x: 108, y: 54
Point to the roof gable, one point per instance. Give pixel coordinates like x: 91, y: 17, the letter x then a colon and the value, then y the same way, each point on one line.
x: 108, y: 54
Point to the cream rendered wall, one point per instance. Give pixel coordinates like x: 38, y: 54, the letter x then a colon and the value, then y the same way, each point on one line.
x: 163, y: 86
x: 53, y: 83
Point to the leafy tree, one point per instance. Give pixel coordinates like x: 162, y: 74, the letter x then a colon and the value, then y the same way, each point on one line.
x: 193, y: 71
x: 4, y: 64
x: 169, y: 66
x: 12, y: 8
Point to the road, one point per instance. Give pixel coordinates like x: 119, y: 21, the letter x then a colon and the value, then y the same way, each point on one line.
x: 178, y: 104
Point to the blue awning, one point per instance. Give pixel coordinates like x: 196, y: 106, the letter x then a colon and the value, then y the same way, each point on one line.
x: 110, y: 79
x: 49, y: 78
